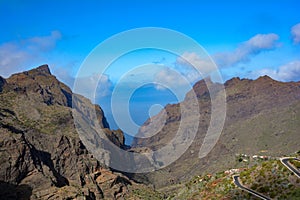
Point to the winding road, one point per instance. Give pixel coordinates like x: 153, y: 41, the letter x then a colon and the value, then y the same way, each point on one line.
x: 236, y: 180
x: 284, y: 161
x: 292, y: 168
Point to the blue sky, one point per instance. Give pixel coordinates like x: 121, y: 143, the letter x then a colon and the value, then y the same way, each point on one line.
x: 245, y: 38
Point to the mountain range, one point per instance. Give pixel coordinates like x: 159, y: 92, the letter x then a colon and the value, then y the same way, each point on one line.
x: 43, y: 157
x: 262, y: 118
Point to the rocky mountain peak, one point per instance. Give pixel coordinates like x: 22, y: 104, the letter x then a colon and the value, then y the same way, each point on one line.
x: 265, y: 78
x: 203, y: 89
x: 43, y: 69
x: 40, y: 146
x: 40, y: 74
x: 232, y: 81
x: 36, y: 73
x: 200, y: 88
x: 262, y: 80
x: 237, y: 82
x: 40, y: 85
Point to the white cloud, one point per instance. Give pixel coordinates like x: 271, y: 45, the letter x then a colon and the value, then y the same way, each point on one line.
x: 63, y: 73
x: 86, y: 85
x: 104, y: 86
x: 193, y: 66
x: 167, y: 77
x: 194, y: 62
x: 189, y: 68
x: 174, y: 80
x: 11, y: 58
x: 262, y: 42
x: 287, y: 72
x: 254, y: 46
x: 44, y: 43
x: 18, y: 55
x: 295, y: 31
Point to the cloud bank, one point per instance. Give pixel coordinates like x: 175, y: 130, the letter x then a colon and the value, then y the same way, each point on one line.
x: 295, y: 31
x: 17, y: 55
x: 254, y: 46
x: 194, y: 61
x: 287, y: 72
x: 85, y: 86
x: 189, y: 68
x: 168, y: 77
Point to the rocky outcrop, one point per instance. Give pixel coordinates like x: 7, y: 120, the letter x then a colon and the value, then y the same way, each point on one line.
x: 40, y: 86
x: 2, y: 82
x: 40, y: 150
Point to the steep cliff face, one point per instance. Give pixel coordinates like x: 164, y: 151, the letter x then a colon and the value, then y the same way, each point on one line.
x: 263, y: 115
x: 41, y: 154
x: 2, y: 82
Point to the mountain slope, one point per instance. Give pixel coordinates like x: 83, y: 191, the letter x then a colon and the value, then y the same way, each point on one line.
x: 263, y: 115
x: 270, y: 178
x: 41, y: 154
